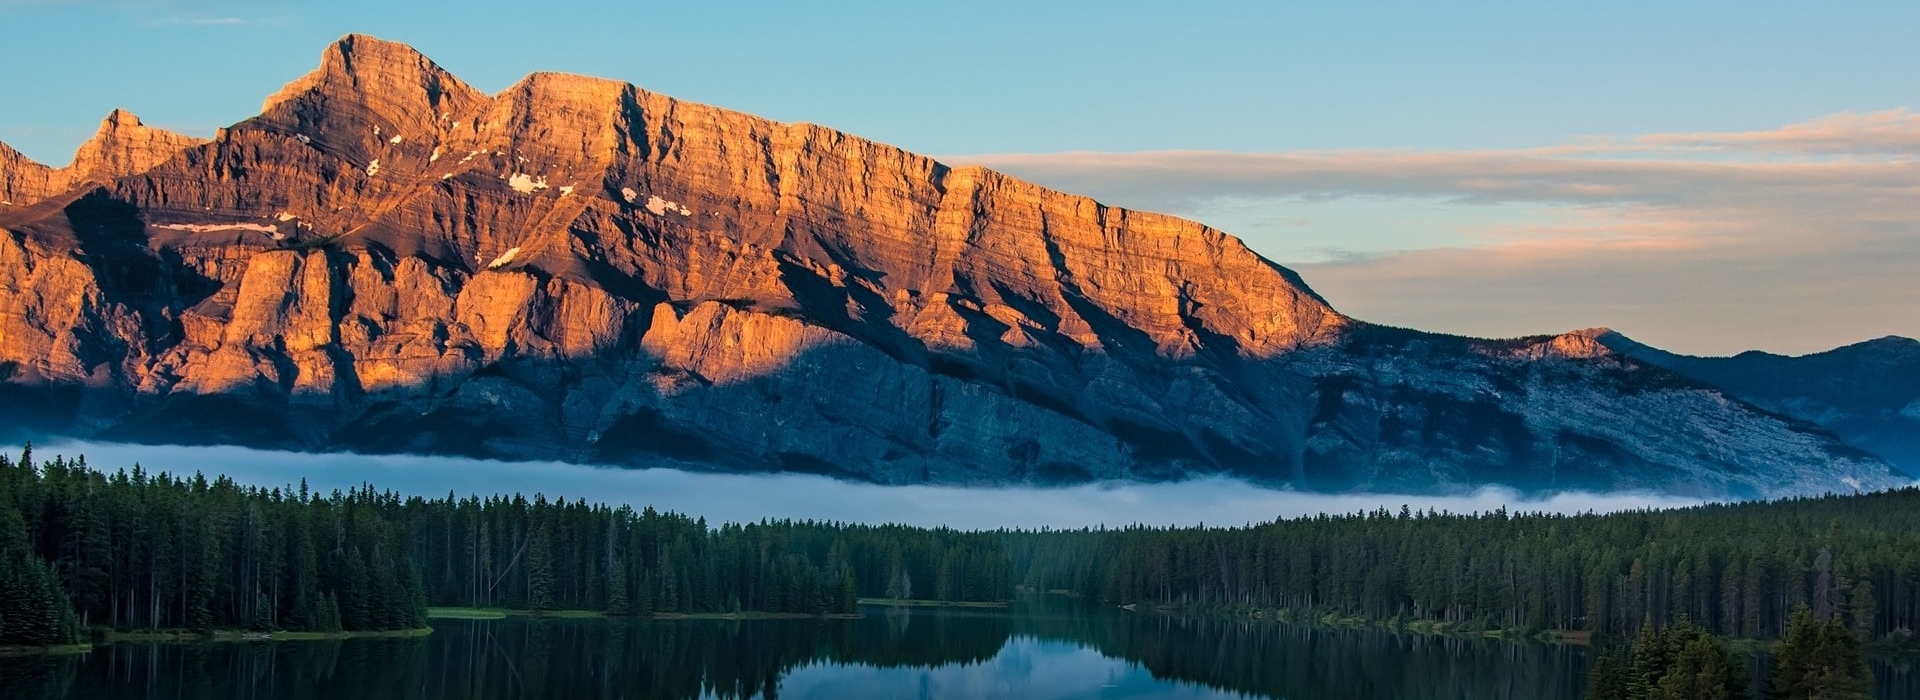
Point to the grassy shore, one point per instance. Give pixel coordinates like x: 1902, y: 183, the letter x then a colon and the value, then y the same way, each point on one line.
x: 748, y: 615
x: 112, y: 636
x: 1324, y: 618
x: 117, y: 636
x: 499, y: 613
x: 907, y: 603
x: 7, y: 651
x: 1889, y: 650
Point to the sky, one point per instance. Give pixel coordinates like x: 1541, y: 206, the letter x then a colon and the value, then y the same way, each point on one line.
x: 1707, y: 177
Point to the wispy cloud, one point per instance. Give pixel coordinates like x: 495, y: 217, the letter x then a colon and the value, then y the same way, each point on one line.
x: 1800, y: 237
x: 220, y: 20
x: 1181, y: 178
x: 1894, y: 131
x: 166, y: 13
x: 210, y: 21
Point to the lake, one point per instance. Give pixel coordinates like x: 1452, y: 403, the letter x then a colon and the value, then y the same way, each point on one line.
x: 1040, y: 648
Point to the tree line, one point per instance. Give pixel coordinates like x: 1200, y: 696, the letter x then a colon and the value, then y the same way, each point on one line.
x: 133, y: 550
x: 1735, y: 570
x: 83, y: 548
x: 542, y: 555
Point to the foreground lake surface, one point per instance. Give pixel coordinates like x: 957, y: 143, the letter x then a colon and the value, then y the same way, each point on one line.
x: 1034, y: 650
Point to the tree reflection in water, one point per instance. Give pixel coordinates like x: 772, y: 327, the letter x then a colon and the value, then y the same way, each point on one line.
x: 1043, y: 648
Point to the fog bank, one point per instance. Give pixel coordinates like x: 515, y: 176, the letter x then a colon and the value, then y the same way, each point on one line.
x: 751, y: 497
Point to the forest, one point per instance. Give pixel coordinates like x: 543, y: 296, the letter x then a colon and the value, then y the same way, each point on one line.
x: 1734, y: 570
x: 82, y: 548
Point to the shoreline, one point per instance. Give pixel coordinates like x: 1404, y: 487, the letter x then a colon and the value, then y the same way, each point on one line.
x: 1329, y: 619
x: 1882, y: 650
x: 107, y: 637
x: 7, y: 652
x: 919, y: 603
x: 137, y: 636
x: 455, y: 613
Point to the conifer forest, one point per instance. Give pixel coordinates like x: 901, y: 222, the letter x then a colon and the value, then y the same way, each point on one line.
x: 83, y: 548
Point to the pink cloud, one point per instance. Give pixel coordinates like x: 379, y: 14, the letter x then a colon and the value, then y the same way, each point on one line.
x: 1793, y: 239
x: 1886, y: 131
x: 1703, y: 300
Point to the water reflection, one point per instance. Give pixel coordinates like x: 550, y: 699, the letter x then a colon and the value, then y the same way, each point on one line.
x: 1024, y: 668
x: 1044, y: 649
x: 1289, y: 661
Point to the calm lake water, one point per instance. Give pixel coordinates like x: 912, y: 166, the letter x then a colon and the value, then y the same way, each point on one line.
x: 1035, y: 650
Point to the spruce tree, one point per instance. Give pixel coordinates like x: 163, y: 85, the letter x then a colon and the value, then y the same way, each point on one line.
x: 1607, y: 680
x: 1652, y: 657
x: 540, y: 570
x: 617, y: 599
x: 1702, y: 670
x: 1819, y: 661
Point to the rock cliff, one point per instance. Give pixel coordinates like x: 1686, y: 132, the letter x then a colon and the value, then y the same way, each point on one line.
x: 386, y: 259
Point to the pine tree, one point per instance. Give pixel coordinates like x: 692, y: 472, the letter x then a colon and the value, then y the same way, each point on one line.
x: 540, y: 570
x: 1863, y: 607
x: 1702, y: 670
x: 1648, y: 662
x: 617, y: 600
x: 1842, y: 673
x: 1607, y: 680
x: 848, y: 599
x: 1819, y: 661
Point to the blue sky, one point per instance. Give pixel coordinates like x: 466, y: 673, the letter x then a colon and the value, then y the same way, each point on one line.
x: 1771, y: 251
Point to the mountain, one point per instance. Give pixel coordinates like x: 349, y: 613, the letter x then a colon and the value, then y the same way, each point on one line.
x: 389, y: 260
x: 123, y: 146
x: 1866, y: 393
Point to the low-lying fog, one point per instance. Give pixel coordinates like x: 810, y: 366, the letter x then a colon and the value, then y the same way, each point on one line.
x: 742, y: 498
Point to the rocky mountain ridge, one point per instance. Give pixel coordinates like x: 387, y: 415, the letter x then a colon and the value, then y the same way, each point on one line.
x: 1867, y: 393
x: 387, y: 259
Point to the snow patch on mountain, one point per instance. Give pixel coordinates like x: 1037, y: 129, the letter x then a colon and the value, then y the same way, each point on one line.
x: 526, y: 184
x: 504, y: 258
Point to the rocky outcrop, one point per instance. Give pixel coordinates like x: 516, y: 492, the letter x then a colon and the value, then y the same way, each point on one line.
x: 22, y: 181
x: 389, y: 260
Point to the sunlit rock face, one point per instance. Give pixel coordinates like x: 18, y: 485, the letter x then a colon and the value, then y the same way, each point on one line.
x: 389, y: 260
x: 123, y: 146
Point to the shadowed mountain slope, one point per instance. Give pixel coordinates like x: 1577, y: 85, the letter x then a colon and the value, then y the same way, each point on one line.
x: 1868, y: 393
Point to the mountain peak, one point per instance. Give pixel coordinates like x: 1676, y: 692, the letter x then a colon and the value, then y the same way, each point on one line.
x: 1891, y: 342
x: 356, y: 55
x: 120, y: 118
x: 391, y: 79
x: 123, y: 146
x: 355, y: 44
